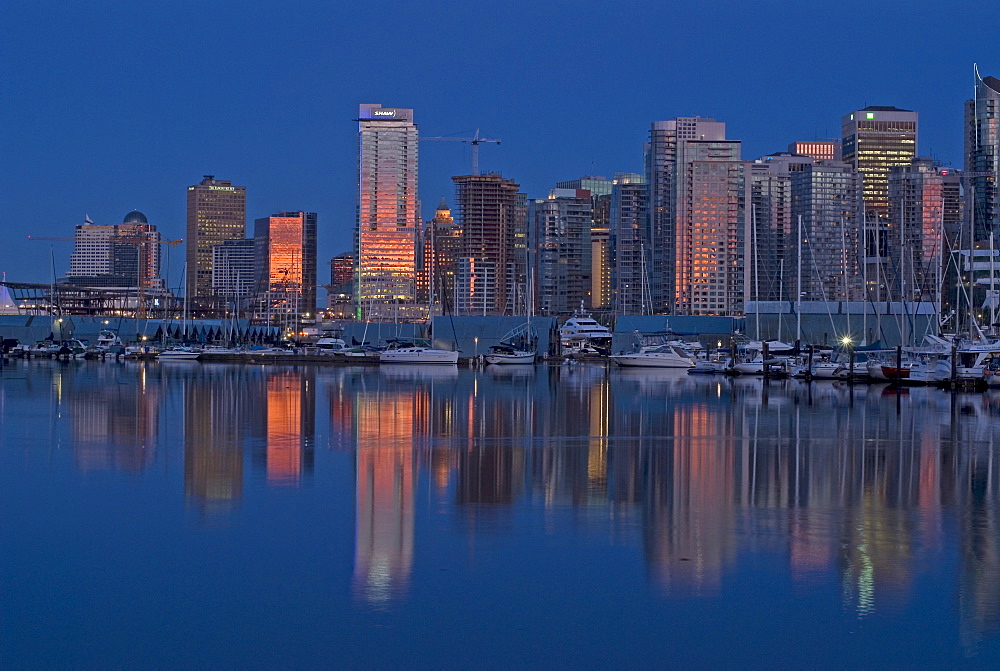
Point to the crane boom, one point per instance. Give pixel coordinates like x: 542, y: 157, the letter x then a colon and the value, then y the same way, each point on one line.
x: 475, y: 141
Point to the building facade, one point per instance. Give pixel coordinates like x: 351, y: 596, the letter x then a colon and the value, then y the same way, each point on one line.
x: 120, y: 255
x: 713, y: 192
x: 822, y: 249
x: 628, y: 217
x: 489, y: 265
x: 875, y: 139
x: 442, y: 240
x: 917, y: 200
x: 388, y: 214
x: 982, y: 158
x: 286, y: 266
x: 560, y: 235
x: 216, y: 212
x: 234, y: 271
x: 664, y: 160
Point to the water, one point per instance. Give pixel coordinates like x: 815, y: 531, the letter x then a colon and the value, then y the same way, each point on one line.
x: 201, y: 515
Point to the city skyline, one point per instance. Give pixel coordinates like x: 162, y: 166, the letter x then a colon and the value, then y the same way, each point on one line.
x: 71, y: 125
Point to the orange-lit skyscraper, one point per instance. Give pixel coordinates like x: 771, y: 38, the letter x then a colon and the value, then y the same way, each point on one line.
x: 388, y: 212
x: 286, y: 263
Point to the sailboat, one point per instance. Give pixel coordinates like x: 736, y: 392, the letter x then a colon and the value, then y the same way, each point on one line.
x: 519, y: 346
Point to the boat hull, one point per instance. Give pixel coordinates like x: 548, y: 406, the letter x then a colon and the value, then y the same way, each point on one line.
x: 520, y: 358
x: 652, y: 360
x: 419, y: 355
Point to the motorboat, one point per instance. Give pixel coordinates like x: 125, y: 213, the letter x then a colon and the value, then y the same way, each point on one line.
x: 416, y: 352
x: 665, y: 356
x: 750, y: 358
x: 180, y: 354
x: 582, y: 332
x: 504, y: 353
x: 715, y: 363
x: 331, y: 346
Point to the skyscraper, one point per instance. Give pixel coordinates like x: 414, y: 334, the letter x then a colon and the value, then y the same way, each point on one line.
x: 917, y: 197
x: 875, y: 139
x: 713, y: 188
x: 286, y: 265
x: 982, y: 158
x: 661, y: 157
x: 825, y: 198
x: 629, y: 277
x: 441, y: 249
x: 234, y: 270
x: 216, y: 212
x: 388, y: 212
x: 489, y: 270
x: 560, y: 235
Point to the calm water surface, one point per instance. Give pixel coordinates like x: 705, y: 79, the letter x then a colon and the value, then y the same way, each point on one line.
x: 200, y: 515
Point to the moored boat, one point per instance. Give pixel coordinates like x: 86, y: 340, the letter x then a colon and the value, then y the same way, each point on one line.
x: 665, y: 356
x: 416, y: 352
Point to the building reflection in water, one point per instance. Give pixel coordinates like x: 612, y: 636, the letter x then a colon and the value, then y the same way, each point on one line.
x: 219, y: 404
x: 391, y: 418
x: 233, y: 410
x: 850, y: 484
x: 114, y: 418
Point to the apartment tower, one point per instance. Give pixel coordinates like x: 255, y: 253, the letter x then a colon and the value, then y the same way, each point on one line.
x: 982, y: 159
x: 489, y: 265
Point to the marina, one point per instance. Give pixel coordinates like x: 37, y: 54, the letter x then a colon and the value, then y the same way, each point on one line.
x: 541, y: 515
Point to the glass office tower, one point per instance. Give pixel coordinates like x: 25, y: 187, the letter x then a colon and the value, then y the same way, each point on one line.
x: 388, y: 214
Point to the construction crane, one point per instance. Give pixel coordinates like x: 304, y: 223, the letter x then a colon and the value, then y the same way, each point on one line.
x: 50, y: 238
x: 475, y: 141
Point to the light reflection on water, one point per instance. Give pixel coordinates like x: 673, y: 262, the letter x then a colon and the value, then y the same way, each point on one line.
x: 863, y: 503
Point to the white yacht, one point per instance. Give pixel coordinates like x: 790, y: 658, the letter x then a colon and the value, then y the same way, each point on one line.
x: 180, y: 354
x: 581, y: 333
x: 331, y: 346
x: 664, y: 356
x: 416, y: 352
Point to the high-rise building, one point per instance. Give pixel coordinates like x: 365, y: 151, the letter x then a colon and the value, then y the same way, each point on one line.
x: 875, y: 139
x: 489, y: 267
x: 822, y: 253
x: 982, y: 158
x: 662, y: 168
x: 121, y: 255
x: 600, y: 190
x: 234, y: 271
x: 560, y: 236
x: 770, y: 225
x: 340, y: 299
x: 286, y: 265
x: 442, y: 240
x: 388, y: 213
x: 216, y: 212
x: 600, y: 252
x: 713, y: 191
x: 629, y: 277
x: 917, y: 196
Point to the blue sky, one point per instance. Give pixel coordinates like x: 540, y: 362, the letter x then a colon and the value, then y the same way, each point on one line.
x: 114, y: 106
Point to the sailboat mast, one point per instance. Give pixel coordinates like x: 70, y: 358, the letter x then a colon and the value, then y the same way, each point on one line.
x: 798, y: 289
x: 756, y: 272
